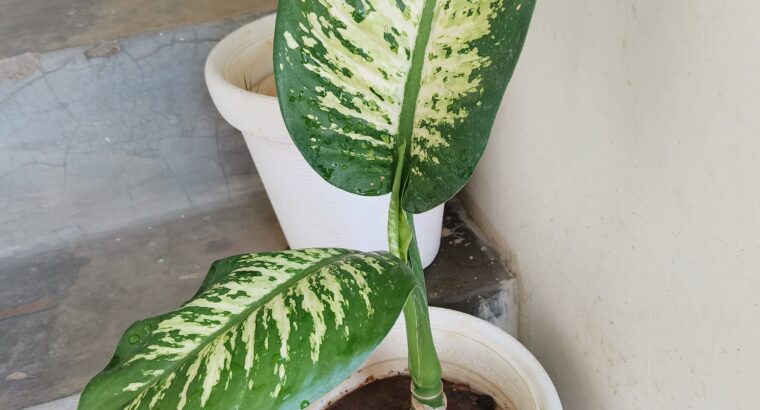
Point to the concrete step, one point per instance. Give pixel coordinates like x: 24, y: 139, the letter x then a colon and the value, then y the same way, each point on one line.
x: 42, y: 25
x: 119, y: 185
x: 468, y: 276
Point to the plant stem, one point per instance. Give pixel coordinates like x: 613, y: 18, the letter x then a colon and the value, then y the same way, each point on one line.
x: 424, y: 366
x: 423, y: 360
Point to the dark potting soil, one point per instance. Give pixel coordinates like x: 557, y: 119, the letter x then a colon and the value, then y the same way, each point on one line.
x: 393, y: 394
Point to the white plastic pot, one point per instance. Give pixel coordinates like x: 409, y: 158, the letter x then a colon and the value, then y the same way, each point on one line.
x: 472, y: 352
x: 311, y: 212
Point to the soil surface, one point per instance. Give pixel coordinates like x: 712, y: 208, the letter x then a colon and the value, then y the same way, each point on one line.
x: 393, y: 394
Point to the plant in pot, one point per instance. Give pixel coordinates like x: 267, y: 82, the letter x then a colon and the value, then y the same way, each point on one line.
x: 311, y: 212
x: 380, y: 97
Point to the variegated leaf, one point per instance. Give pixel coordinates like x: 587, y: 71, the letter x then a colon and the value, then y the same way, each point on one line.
x: 357, y: 79
x: 270, y: 330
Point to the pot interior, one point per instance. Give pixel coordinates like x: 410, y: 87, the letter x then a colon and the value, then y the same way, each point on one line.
x: 453, y: 373
x: 250, y: 67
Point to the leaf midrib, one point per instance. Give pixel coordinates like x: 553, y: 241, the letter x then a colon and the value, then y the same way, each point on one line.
x: 413, y: 84
x: 247, y: 312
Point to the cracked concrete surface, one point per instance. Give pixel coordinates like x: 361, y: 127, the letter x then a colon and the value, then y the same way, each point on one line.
x: 62, y: 311
x: 96, y: 137
x: 19, y: 67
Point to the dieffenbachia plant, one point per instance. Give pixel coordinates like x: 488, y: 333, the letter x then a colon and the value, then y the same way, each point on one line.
x: 398, y: 96
x: 380, y: 96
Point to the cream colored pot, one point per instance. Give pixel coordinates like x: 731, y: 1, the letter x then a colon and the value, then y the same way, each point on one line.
x: 312, y: 212
x: 472, y: 352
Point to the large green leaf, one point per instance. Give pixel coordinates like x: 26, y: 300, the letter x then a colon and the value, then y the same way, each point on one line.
x: 271, y: 330
x: 359, y: 79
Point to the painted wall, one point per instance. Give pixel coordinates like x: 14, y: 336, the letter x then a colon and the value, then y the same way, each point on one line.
x: 622, y: 182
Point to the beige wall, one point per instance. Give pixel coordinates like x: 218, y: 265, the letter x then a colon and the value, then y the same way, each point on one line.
x: 622, y: 181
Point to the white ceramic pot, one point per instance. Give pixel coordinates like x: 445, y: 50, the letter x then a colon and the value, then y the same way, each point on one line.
x: 472, y: 352
x: 312, y: 212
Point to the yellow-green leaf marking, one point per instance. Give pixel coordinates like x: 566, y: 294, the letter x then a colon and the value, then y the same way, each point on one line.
x: 271, y: 330
x: 358, y: 79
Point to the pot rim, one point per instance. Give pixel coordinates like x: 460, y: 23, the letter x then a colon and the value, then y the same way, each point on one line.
x: 245, y: 110
x: 502, y: 343
x: 388, y: 361
x: 252, y: 34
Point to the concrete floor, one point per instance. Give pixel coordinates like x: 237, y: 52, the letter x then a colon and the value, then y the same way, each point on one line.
x: 43, y: 25
x: 63, y: 311
x: 56, y: 333
x: 92, y: 144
